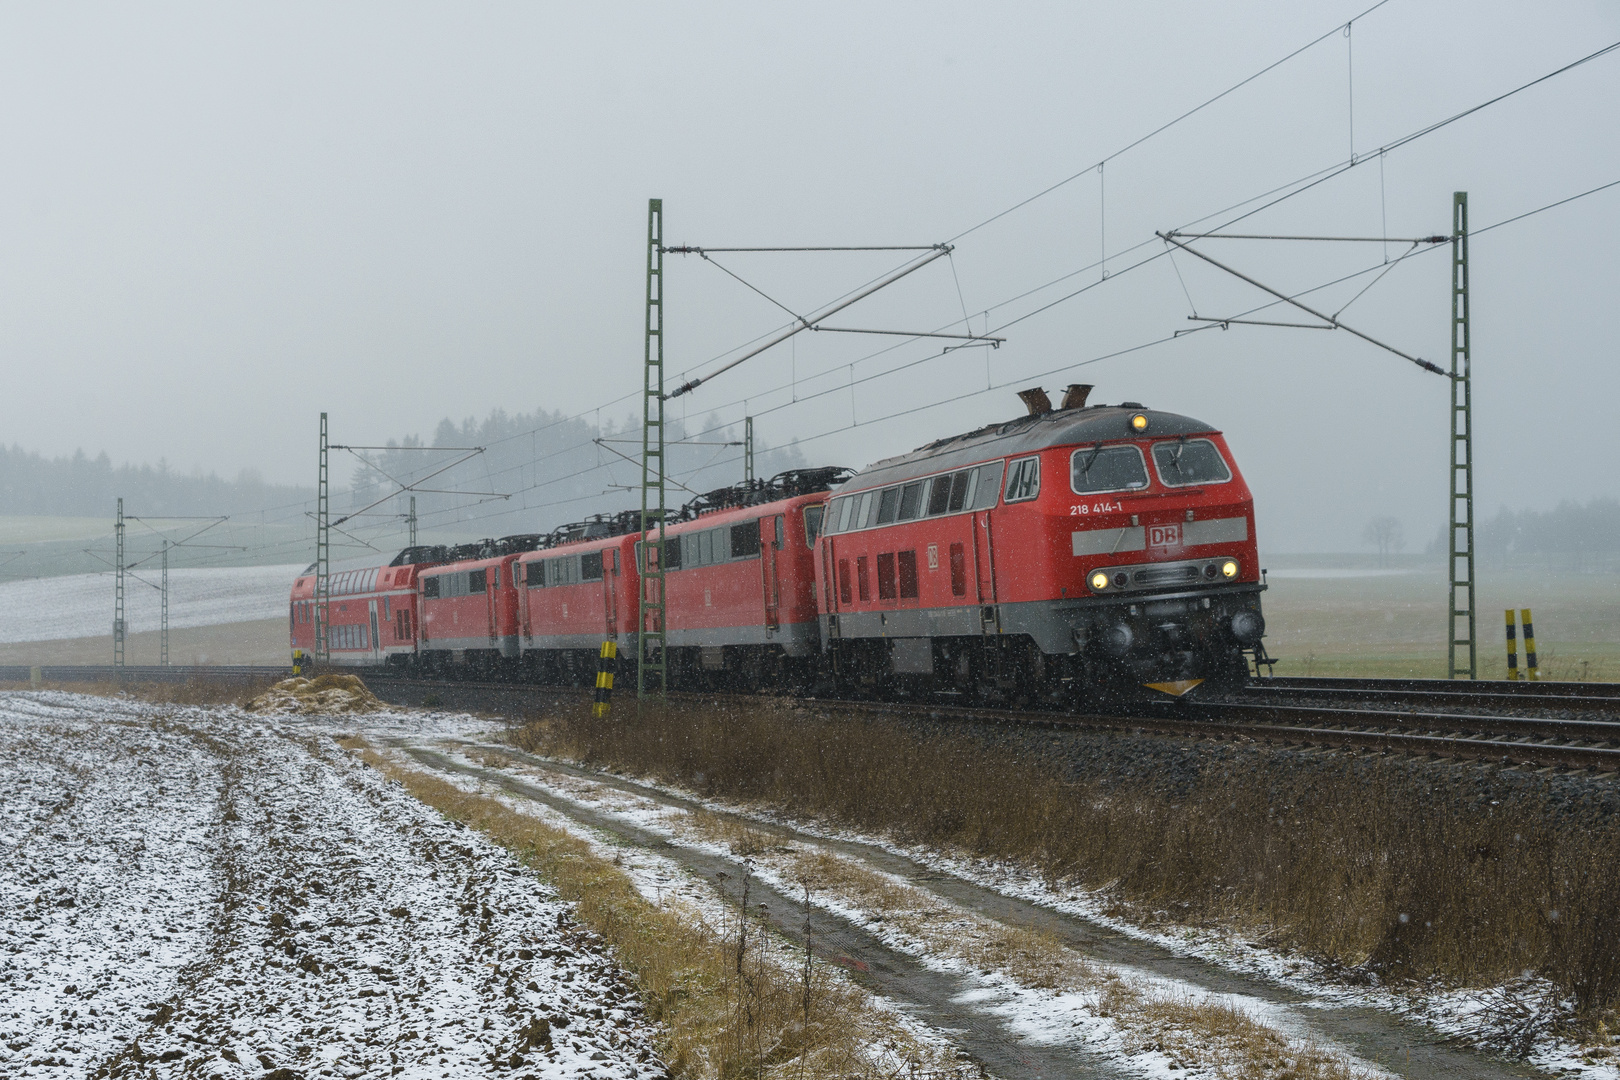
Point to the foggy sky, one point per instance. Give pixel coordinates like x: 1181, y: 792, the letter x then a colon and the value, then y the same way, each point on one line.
x: 220, y: 220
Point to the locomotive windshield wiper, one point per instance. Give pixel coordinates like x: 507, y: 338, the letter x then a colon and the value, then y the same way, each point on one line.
x: 1175, y: 458
x: 1085, y: 470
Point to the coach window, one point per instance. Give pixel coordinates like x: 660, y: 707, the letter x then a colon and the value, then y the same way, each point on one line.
x: 745, y: 540
x: 1107, y: 468
x: 430, y: 588
x: 1024, y: 479
x: 590, y: 566
x: 1189, y: 461
x: 910, y: 501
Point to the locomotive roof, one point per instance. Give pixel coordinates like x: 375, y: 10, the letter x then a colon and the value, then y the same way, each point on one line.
x: 1025, y: 435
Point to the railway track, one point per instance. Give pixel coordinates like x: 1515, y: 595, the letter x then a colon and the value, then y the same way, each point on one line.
x: 1391, y: 725
x: 1487, y: 722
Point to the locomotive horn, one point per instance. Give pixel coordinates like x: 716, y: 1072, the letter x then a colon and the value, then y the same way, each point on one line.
x: 1075, y: 396
x: 1036, y: 401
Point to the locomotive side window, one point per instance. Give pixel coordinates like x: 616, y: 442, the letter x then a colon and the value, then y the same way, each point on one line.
x: 910, y: 501
x: 861, y: 578
x: 1189, y: 461
x: 745, y: 540
x: 988, y: 488
x: 908, y: 574
x: 672, y: 553
x: 888, y: 506
x: 590, y: 566
x: 885, y: 576
x: 864, y: 511
x: 1107, y: 468
x: 476, y: 580
x: 535, y: 575
x: 430, y: 587
x: 812, y: 523
x: 939, y: 496
x: 1024, y: 479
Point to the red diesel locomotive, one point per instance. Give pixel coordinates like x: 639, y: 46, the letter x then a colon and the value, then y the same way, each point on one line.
x: 1071, y: 551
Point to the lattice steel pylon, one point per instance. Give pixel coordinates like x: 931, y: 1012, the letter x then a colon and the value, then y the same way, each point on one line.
x: 118, y: 590
x: 323, y: 555
x: 651, y: 660
x: 1460, y: 569
x: 163, y: 622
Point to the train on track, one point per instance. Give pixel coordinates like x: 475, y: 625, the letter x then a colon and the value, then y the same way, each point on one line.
x: 1067, y: 555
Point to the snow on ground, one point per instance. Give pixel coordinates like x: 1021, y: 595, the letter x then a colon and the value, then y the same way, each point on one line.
x: 1520, y: 1017
x: 202, y: 892
x: 81, y: 605
x: 1061, y: 1016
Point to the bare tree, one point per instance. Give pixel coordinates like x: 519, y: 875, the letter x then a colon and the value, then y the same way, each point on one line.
x: 1385, y: 534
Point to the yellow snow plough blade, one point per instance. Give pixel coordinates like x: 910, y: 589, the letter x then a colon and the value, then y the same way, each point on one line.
x: 1174, y: 689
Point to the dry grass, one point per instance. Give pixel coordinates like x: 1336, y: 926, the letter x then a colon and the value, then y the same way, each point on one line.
x: 729, y: 1005
x: 1362, y: 866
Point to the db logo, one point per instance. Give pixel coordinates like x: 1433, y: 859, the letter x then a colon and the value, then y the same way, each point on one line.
x: 933, y: 556
x: 1164, y: 535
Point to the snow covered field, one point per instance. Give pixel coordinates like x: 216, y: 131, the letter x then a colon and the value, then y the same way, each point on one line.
x: 202, y: 892
x: 81, y: 605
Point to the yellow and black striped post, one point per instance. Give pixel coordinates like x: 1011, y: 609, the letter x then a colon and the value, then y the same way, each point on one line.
x: 298, y: 661
x: 606, y: 661
x: 1529, y: 645
x: 1512, y: 647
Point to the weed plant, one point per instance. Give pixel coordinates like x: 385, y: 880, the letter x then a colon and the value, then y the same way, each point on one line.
x: 1359, y: 863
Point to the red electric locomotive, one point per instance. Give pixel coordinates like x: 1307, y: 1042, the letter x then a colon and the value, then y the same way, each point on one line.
x: 468, y: 607
x: 739, y: 583
x: 574, y: 593
x: 1071, y: 549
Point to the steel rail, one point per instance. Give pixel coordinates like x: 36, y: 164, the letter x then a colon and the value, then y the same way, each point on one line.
x: 1396, y: 698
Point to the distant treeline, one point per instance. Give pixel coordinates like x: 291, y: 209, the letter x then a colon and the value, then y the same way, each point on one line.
x: 82, y: 486
x: 543, y: 469
x: 1572, y: 536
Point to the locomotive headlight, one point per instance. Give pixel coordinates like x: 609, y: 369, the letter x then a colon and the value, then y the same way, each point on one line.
x: 1139, y: 422
x: 1099, y: 581
x: 1229, y: 568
